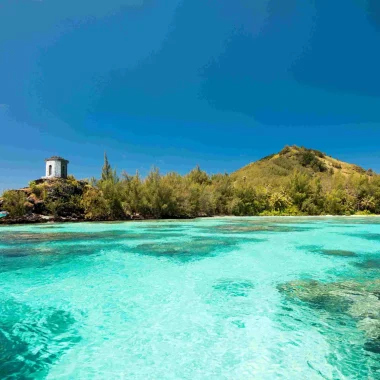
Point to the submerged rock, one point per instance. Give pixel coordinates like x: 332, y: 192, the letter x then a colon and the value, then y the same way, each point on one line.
x: 360, y: 300
x: 194, y: 249
x: 254, y: 227
x: 373, y: 263
x: 235, y: 288
x: 337, y: 252
x: 31, y: 340
x: 328, y: 252
x: 366, y: 236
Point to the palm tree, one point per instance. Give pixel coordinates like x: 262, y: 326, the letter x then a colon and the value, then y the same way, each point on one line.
x: 368, y: 203
x: 279, y: 201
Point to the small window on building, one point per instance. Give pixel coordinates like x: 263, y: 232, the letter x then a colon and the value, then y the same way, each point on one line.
x: 50, y: 169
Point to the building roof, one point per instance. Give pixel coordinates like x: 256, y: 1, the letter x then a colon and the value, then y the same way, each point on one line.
x: 56, y: 158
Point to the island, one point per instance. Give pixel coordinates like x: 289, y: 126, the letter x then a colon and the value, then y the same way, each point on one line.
x: 295, y: 181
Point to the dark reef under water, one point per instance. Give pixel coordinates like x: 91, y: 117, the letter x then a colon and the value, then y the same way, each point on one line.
x: 31, y: 340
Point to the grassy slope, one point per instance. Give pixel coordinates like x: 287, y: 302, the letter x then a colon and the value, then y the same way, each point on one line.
x: 276, y: 169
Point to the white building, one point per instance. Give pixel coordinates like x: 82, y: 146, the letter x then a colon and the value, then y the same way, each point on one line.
x: 56, y: 167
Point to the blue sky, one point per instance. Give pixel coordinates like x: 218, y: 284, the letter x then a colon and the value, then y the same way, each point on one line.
x: 177, y: 83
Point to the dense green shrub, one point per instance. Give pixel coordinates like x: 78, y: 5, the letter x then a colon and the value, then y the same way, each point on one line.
x: 95, y: 206
x: 38, y: 190
x: 308, y: 158
x: 15, y: 203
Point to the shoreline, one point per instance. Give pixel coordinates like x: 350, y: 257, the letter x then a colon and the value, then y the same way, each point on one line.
x: 63, y: 221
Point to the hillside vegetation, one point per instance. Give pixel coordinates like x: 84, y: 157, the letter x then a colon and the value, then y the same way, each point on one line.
x: 295, y: 181
x: 276, y: 168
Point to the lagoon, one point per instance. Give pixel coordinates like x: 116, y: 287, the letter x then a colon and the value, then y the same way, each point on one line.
x: 212, y: 298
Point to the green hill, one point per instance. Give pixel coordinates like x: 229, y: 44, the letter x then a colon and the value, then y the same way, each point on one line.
x: 277, y: 168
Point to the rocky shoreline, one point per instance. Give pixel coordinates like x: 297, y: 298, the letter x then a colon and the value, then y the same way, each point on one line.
x: 34, y: 219
x: 40, y: 219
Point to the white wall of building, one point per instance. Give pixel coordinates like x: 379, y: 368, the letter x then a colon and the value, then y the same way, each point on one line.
x: 53, y: 169
x: 56, y: 169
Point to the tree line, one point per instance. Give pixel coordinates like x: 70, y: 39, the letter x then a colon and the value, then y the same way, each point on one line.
x: 171, y: 195
x: 195, y: 194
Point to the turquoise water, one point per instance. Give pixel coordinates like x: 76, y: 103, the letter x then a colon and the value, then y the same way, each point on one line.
x: 198, y: 299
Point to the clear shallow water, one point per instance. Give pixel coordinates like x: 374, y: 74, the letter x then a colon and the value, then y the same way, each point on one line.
x: 184, y: 299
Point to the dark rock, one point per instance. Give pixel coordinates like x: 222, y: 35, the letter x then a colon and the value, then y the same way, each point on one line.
x: 29, y: 207
x: 39, y: 207
x: 137, y: 217
x: 373, y: 345
x: 32, y: 198
x: 26, y: 219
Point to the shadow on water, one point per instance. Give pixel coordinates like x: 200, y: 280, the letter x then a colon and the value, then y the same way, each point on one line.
x: 32, y: 340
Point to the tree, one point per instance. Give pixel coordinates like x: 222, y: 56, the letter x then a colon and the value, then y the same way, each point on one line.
x: 133, y: 194
x: 106, y: 170
x: 279, y: 201
x: 198, y: 176
x: 15, y: 203
x: 247, y: 201
x: 299, y: 189
x: 223, y: 192
x: 368, y: 203
x: 95, y: 206
x: 334, y: 204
